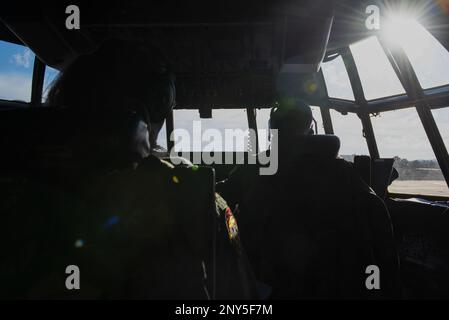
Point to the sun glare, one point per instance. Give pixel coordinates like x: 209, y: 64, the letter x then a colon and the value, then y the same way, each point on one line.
x: 429, y: 58
x: 403, y: 30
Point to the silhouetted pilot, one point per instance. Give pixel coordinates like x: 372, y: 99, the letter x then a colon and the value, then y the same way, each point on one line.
x: 294, y: 117
x: 313, y: 228
x: 105, y: 204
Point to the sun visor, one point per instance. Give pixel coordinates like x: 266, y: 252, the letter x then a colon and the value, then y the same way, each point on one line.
x: 306, y: 39
x: 306, y: 35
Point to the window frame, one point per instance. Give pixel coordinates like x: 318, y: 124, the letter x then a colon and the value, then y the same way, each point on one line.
x: 37, y: 86
x: 416, y: 96
x: 434, y: 98
x: 323, y: 79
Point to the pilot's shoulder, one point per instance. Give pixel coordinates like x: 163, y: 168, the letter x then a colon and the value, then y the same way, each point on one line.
x: 155, y: 163
x: 357, y: 182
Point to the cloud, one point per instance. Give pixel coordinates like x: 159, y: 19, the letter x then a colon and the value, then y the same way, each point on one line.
x: 23, y: 59
x: 15, y: 86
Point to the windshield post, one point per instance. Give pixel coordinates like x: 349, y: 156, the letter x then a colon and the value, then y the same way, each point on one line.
x: 361, y: 102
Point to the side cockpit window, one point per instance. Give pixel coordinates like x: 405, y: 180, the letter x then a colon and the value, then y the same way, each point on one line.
x: 337, y: 79
x: 50, y: 76
x: 16, y: 72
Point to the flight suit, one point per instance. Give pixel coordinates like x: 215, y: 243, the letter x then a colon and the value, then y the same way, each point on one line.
x: 122, y: 230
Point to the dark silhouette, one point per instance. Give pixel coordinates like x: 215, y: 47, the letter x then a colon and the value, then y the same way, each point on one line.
x: 312, y: 229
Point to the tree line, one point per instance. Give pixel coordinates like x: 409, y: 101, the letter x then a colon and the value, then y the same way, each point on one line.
x: 413, y: 169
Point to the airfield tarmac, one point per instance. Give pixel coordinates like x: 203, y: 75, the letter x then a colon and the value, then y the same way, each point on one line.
x: 424, y: 187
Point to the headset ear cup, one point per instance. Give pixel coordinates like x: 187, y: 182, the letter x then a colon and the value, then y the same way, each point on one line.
x: 146, y: 115
x: 163, y: 100
x: 172, y: 94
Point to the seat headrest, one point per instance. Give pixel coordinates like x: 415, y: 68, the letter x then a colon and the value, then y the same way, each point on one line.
x: 324, y: 145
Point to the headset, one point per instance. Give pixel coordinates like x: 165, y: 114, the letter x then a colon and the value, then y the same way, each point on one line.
x: 276, y: 115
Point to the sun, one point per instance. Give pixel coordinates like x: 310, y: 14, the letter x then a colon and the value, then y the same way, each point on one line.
x: 401, y: 29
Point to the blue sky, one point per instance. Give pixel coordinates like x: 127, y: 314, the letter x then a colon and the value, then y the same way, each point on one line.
x: 397, y: 132
x: 16, y: 68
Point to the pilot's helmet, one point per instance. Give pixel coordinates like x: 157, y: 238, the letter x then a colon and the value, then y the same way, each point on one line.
x: 294, y: 117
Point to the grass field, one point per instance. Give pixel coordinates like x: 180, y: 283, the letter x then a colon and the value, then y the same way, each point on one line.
x: 424, y: 187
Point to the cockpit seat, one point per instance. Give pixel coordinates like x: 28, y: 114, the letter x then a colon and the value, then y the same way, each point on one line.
x: 318, y: 145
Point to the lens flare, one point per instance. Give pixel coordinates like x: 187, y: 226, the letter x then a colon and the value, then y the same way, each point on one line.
x: 444, y: 5
x: 111, y: 221
x: 79, y: 243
